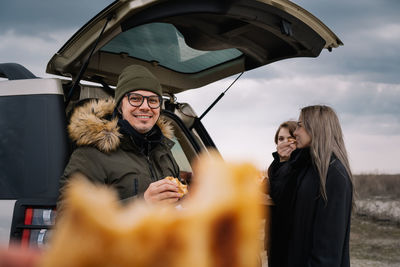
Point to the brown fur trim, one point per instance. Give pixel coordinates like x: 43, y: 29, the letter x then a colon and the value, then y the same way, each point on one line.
x: 166, y: 127
x: 88, y: 126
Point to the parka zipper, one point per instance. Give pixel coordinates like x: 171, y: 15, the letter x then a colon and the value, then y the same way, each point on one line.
x: 153, y: 176
x: 151, y: 167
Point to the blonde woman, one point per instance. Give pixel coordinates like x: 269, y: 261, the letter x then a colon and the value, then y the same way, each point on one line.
x: 313, y: 209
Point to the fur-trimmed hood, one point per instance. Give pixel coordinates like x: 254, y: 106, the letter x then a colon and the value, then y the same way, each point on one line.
x: 92, y: 125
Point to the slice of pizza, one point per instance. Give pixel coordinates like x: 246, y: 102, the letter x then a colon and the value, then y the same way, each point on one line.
x: 220, y: 225
x: 181, y: 187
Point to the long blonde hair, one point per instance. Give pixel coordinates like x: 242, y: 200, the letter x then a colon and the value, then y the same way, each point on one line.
x: 322, y: 124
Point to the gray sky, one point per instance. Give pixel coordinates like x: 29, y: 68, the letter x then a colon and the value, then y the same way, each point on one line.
x: 360, y: 80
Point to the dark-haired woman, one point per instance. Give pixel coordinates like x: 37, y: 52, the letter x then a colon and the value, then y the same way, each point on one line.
x: 285, y: 145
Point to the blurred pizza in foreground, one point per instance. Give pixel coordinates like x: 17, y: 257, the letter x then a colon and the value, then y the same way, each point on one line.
x: 219, y: 225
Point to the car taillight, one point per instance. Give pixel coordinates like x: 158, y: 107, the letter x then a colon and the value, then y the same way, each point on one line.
x: 26, y: 232
x: 36, y: 228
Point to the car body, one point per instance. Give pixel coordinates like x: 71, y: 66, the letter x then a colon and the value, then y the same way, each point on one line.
x: 185, y: 43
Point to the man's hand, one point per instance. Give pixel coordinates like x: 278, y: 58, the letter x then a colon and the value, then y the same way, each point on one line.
x: 285, y: 149
x: 162, y: 191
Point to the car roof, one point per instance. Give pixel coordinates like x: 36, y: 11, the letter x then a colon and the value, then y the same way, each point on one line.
x: 191, y: 43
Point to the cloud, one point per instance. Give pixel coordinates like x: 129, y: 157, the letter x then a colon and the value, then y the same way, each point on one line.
x: 288, y: 94
x: 370, y: 31
x: 32, y: 51
x: 389, y: 32
x: 33, y: 31
x: 372, y: 153
x: 343, y: 15
x: 244, y: 122
x: 36, y: 17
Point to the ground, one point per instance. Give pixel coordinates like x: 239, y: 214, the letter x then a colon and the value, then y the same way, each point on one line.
x: 374, y: 242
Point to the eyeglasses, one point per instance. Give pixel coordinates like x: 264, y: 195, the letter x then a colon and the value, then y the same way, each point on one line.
x: 136, y: 100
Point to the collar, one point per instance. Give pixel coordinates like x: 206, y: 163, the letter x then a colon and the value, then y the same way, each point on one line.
x: 144, y: 142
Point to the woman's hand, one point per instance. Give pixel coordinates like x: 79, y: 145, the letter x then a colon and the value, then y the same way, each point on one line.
x: 285, y: 149
x: 162, y: 191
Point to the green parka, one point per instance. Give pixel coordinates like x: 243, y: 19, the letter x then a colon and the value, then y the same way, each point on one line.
x: 109, y: 156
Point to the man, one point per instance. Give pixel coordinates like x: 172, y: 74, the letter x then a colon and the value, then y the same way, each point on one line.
x: 125, y: 144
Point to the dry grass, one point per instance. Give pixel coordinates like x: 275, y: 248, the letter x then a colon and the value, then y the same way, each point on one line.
x: 373, y: 185
x: 374, y: 242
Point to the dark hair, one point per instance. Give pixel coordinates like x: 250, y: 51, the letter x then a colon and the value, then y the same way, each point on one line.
x: 290, y: 125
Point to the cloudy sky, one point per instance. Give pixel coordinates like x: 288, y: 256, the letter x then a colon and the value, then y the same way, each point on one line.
x: 360, y: 80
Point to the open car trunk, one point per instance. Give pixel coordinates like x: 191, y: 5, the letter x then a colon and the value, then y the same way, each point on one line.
x: 188, y: 44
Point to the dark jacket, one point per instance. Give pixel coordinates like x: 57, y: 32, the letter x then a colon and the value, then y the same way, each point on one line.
x: 306, y: 230
x: 111, y: 152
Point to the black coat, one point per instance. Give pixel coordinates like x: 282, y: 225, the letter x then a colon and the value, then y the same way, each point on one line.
x: 305, y: 229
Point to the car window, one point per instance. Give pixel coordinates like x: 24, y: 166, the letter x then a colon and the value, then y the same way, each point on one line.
x: 163, y: 43
x: 180, y: 157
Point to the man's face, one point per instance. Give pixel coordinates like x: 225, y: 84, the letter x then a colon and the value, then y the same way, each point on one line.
x: 141, y: 118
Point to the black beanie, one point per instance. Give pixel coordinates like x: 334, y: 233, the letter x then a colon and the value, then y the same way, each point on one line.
x: 136, y: 77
